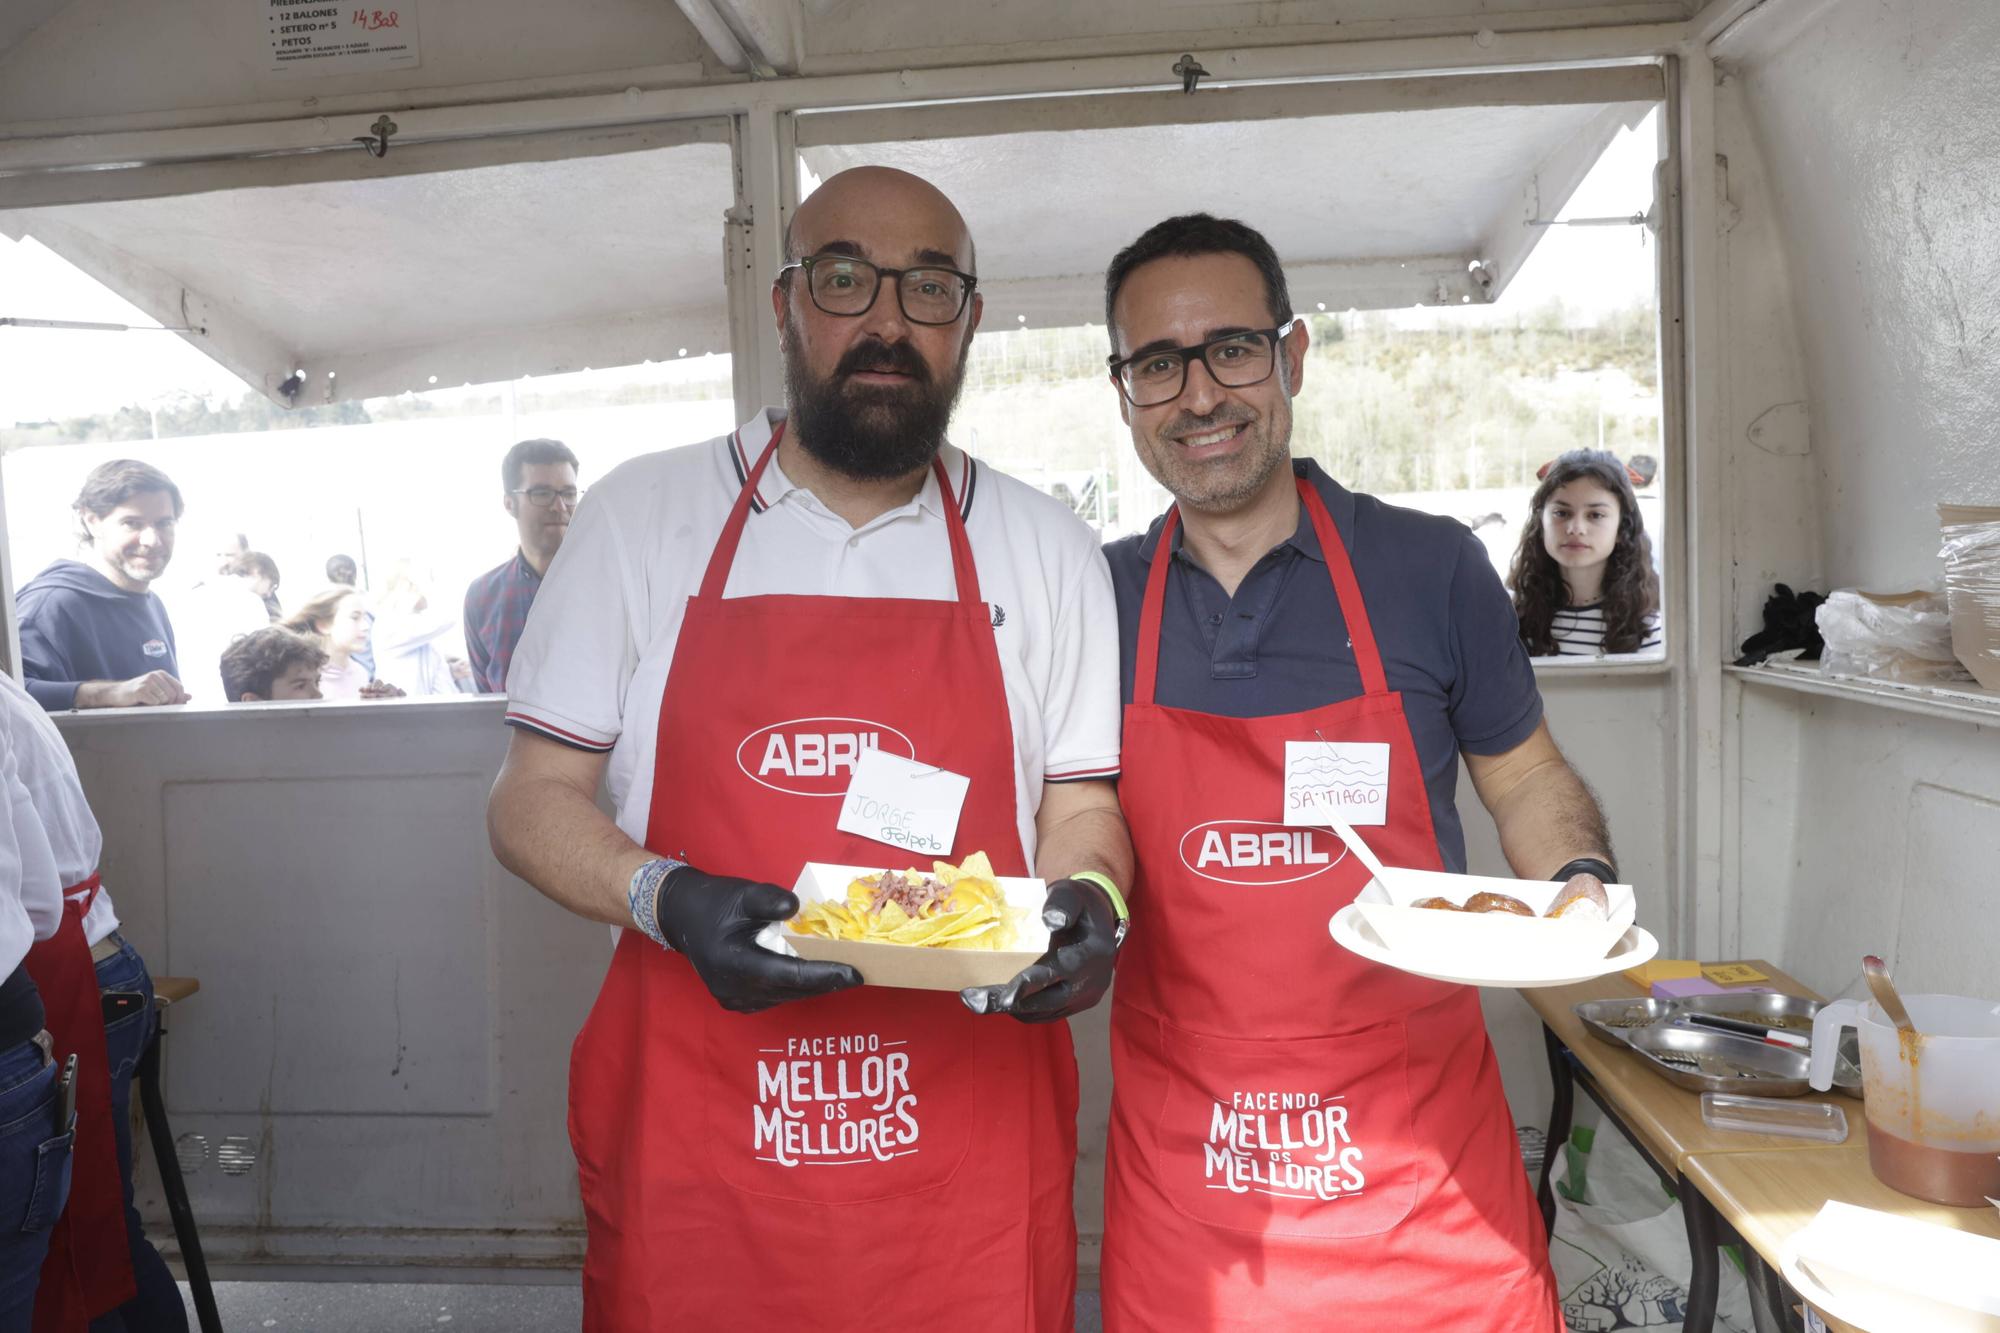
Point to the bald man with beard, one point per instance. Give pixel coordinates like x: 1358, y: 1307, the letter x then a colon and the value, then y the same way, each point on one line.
x: 729, y: 629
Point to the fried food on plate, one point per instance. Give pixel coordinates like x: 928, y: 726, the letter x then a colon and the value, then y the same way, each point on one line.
x: 1583, y: 899
x: 1497, y: 902
x: 951, y: 907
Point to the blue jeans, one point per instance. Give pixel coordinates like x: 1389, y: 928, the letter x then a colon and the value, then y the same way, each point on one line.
x: 34, y: 1178
x: 157, y: 1308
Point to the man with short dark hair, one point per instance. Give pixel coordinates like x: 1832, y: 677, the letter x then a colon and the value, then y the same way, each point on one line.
x: 273, y: 664
x: 93, y: 633
x: 538, y: 481
x: 341, y: 569
x: 1291, y: 648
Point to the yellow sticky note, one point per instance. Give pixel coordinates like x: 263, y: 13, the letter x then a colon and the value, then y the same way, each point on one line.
x: 1732, y: 974
x: 1662, y: 969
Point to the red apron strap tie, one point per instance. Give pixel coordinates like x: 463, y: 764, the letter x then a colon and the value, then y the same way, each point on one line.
x: 1367, y: 657
x: 1146, y: 669
x: 716, y: 577
x: 87, y: 890
x: 1348, y: 589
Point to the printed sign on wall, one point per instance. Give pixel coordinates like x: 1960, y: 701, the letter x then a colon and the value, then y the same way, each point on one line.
x: 325, y: 37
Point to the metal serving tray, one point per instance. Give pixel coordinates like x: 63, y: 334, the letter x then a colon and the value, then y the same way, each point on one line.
x: 1705, y: 1061
x: 1792, y: 1013
x: 1612, y: 1021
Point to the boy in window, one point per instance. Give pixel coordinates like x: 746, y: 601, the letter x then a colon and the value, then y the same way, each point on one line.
x: 272, y: 664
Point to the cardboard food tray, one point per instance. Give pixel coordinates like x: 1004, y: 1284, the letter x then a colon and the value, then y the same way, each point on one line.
x: 1468, y: 941
x: 914, y: 966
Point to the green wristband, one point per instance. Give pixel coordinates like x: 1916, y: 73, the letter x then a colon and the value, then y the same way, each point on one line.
x: 1104, y: 882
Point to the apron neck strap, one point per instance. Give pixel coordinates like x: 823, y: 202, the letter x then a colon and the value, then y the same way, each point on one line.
x: 1346, y: 588
x: 717, y: 576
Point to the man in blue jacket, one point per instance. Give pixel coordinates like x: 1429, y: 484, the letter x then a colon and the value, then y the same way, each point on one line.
x: 93, y: 634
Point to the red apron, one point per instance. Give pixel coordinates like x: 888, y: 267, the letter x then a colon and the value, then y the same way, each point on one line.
x: 875, y: 1159
x: 1300, y: 1139
x: 88, y: 1269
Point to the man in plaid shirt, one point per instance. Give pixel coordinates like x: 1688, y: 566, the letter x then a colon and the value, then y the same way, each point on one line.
x: 541, y: 494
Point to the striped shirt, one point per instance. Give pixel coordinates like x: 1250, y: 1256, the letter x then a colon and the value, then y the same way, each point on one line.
x: 496, y: 610
x: 1579, y: 631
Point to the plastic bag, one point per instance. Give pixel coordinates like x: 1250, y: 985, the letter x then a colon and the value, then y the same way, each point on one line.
x: 1620, y: 1249
x: 1906, y: 640
x: 1972, y: 579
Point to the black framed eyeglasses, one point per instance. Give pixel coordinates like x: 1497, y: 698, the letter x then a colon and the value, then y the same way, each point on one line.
x: 847, y: 285
x: 544, y: 496
x: 1234, y: 360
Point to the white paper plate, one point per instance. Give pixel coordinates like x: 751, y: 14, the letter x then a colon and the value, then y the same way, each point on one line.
x: 1352, y: 932
x: 1868, y: 1315
x: 1867, y: 1305
x: 1468, y: 941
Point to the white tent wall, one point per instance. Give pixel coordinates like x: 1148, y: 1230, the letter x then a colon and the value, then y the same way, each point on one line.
x: 1864, y: 174
x: 467, y: 1165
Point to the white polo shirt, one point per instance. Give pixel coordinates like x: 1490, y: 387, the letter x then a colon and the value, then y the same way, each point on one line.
x: 592, y: 663
x: 49, y: 774
x: 30, y: 894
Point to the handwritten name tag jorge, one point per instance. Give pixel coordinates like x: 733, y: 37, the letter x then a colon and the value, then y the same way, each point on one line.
x: 902, y: 803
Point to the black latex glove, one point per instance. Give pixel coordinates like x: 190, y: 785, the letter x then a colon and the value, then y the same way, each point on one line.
x: 715, y: 920
x: 1075, y: 972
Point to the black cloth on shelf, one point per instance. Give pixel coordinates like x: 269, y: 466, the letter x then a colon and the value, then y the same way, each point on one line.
x: 1788, y: 623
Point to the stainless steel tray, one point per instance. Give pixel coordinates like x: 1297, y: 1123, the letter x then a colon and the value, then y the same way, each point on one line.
x: 1613, y: 1020
x: 1793, y: 1013
x: 1704, y: 1061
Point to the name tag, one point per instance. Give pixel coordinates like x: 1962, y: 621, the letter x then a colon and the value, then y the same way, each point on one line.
x: 1348, y: 778
x: 903, y: 803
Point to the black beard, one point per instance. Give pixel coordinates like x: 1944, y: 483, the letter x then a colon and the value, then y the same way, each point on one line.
x: 871, y: 432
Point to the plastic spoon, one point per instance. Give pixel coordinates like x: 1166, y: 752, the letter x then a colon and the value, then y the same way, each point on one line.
x: 1909, y: 1041
x: 1877, y: 973
x: 1358, y: 847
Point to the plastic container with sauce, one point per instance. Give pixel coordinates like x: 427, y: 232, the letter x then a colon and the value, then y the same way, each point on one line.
x: 1932, y: 1103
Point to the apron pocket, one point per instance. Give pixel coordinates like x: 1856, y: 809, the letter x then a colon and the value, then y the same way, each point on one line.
x: 843, y: 1099
x: 1309, y: 1138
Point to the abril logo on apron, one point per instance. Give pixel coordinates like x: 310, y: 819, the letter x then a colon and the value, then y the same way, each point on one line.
x: 815, y: 756
x: 1259, y: 852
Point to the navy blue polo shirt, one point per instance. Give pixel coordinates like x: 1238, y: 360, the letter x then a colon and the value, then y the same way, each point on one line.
x: 1443, y: 622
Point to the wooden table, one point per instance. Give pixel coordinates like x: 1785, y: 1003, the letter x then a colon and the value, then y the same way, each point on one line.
x: 1767, y: 1197
x: 1664, y: 1123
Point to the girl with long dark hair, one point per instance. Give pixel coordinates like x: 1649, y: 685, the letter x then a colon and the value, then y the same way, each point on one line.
x: 1583, y: 576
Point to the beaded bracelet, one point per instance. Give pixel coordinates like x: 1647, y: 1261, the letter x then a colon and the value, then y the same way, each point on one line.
x: 642, y: 896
